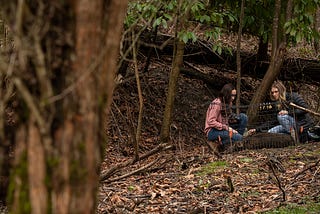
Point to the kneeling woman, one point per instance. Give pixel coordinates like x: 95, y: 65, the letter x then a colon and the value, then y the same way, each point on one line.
x: 217, y: 125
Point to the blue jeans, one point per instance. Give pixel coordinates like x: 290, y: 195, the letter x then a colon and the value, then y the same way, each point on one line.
x: 214, y: 134
x: 242, y: 124
x: 286, y: 123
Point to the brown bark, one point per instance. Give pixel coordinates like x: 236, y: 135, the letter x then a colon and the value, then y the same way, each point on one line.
x: 177, y: 63
x: 16, y: 205
x: 179, y: 46
x: 36, y: 170
x: 262, y: 54
x: 61, y: 193
x: 138, y: 129
x: 60, y: 137
x: 84, y: 120
x: 277, y: 57
x: 317, y: 28
x: 87, y: 122
x: 288, y: 16
x: 238, y: 86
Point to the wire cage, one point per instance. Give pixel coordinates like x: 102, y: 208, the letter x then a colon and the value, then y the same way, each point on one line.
x: 264, y: 124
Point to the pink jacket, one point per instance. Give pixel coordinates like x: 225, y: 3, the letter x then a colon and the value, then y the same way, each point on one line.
x: 214, y: 118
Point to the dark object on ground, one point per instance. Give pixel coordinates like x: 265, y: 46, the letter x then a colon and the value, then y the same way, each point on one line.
x: 268, y: 140
x: 262, y: 140
x: 215, y: 147
x: 255, y: 141
x: 314, y: 133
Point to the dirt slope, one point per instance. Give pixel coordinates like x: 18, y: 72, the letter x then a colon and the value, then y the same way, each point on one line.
x: 188, y: 178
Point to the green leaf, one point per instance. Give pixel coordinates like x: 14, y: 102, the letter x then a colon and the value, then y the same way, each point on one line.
x: 184, y: 37
x: 288, y: 30
x: 214, y: 48
x: 299, y: 37
x: 168, y: 17
x: 164, y: 24
x: 205, y: 18
x: 170, y: 6
x: 293, y: 32
x: 193, y: 37
x: 265, y: 37
x: 157, y: 22
x: 219, y: 50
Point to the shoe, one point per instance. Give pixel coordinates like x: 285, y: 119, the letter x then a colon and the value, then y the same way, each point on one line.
x: 215, y: 147
x: 293, y: 134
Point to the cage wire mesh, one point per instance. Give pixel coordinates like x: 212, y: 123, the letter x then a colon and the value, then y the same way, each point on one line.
x: 267, y: 119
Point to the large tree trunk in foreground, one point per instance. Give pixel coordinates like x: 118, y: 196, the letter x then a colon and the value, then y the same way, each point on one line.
x: 63, y: 75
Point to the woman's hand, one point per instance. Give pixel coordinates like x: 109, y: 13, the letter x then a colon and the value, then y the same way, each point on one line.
x: 251, y: 131
x: 283, y: 112
x: 233, y: 130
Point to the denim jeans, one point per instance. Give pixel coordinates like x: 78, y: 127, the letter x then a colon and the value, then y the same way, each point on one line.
x: 224, y: 134
x: 242, y: 124
x: 286, y: 123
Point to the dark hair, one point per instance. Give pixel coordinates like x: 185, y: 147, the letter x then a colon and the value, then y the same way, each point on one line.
x: 225, y: 93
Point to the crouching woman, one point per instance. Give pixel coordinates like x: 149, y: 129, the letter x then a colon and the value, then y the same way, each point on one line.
x: 217, y: 126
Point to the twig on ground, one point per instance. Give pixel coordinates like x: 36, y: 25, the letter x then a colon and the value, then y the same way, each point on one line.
x: 133, y: 172
x: 271, y: 166
x: 307, y: 168
x: 112, y: 170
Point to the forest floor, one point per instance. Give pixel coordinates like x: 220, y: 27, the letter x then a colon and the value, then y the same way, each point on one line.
x: 188, y: 178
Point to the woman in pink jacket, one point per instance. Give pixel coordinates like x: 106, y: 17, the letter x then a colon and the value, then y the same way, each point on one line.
x: 219, y: 113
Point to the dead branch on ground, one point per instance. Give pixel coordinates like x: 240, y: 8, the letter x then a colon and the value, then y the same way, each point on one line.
x: 117, y: 167
x: 307, y: 168
x: 133, y: 172
x: 272, y: 166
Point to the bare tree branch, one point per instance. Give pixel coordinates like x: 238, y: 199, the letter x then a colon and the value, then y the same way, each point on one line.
x: 133, y: 172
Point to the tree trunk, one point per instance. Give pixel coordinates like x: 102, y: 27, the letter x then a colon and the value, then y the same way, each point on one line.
x: 262, y: 54
x: 80, y: 156
x: 277, y: 57
x: 179, y: 46
x: 238, y: 87
x: 64, y: 94
x: 317, y: 28
x: 177, y: 63
x: 139, y: 123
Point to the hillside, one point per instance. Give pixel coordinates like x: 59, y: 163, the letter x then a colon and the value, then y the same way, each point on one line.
x: 187, y: 178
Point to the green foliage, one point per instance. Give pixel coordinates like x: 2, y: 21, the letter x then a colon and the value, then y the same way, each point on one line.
x: 310, y: 208
x: 211, y: 167
x: 223, y: 15
x: 153, y: 13
x: 249, y: 193
x: 214, y: 33
x: 158, y: 13
x: 131, y: 188
x: 186, y: 36
x: 203, y: 185
x: 217, y: 48
x: 300, y: 27
x: 246, y: 160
